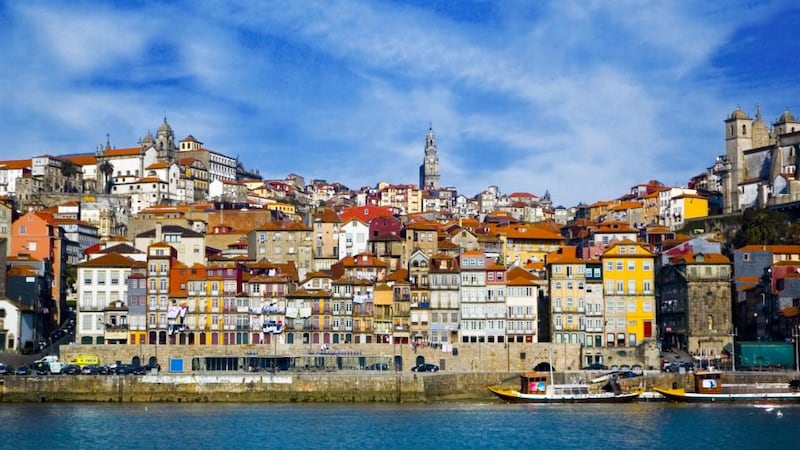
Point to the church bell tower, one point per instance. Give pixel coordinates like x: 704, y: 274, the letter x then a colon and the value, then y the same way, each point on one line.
x: 429, y: 170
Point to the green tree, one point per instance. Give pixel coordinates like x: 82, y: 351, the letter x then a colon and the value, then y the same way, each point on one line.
x: 107, y: 169
x: 761, y: 226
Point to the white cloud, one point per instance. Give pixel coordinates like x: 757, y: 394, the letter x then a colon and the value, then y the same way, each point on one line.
x: 584, y: 99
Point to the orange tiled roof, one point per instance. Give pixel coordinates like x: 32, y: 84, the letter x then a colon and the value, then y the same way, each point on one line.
x: 133, y: 151
x: 15, y: 164
x: 108, y: 260
x: 780, y: 249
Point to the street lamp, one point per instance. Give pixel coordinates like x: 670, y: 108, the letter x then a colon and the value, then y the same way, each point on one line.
x: 274, y: 352
x: 733, y: 349
x: 796, y: 337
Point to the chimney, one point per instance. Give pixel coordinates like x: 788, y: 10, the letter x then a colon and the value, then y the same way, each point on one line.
x: 158, y: 232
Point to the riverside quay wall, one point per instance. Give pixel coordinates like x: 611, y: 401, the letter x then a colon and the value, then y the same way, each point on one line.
x: 465, y: 357
x: 287, y: 387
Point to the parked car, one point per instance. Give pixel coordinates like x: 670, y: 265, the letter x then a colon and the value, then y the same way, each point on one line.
x: 5, y: 369
x: 71, y: 369
x: 378, y: 366
x: 28, y: 348
x: 596, y: 366
x: 675, y: 366
x: 425, y: 368
x: 22, y: 370
x: 90, y: 369
x: 122, y: 369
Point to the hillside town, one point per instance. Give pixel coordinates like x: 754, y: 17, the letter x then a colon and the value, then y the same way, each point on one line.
x: 169, y: 243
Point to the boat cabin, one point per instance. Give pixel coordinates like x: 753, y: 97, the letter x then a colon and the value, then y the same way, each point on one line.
x: 534, y: 382
x: 539, y: 383
x: 708, y: 382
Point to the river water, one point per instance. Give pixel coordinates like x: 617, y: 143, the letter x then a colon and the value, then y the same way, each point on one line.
x: 494, y: 425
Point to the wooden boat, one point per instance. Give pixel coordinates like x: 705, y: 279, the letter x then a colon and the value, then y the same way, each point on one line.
x: 708, y: 387
x: 537, y: 388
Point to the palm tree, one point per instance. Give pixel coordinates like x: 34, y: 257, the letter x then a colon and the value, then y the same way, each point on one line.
x: 107, y: 169
x: 69, y: 169
x: 761, y: 226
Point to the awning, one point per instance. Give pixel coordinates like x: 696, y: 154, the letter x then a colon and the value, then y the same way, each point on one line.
x: 790, y: 311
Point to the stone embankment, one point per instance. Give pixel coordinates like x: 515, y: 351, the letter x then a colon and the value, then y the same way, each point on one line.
x: 357, y: 386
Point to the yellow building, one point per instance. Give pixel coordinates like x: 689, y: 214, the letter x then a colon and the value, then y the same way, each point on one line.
x: 566, y: 273
x: 629, y: 290
x: 687, y: 206
x: 528, y: 243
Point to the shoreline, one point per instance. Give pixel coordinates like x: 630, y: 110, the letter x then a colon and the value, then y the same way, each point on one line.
x: 292, y: 387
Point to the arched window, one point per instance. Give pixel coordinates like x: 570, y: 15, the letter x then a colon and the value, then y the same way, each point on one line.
x: 744, y: 130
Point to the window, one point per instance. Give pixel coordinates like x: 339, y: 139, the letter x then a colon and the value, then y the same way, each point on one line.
x: 619, y: 266
x: 609, y: 266
x: 631, y: 287
x: 631, y: 266
x: 646, y: 266
x: 647, y: 287
x: 631, y: 306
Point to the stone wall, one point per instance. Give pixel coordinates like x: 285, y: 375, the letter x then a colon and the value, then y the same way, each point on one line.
x: 355, y: 386
x: 483, y: 357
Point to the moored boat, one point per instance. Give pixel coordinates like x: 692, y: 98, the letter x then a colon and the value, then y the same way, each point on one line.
x: 536, y: 387
x: 709, y: 387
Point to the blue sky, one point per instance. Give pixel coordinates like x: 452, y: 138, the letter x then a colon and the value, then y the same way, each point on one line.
x: 584, y: 98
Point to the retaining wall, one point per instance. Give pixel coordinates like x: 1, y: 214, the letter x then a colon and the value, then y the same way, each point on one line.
x: 355, y: 386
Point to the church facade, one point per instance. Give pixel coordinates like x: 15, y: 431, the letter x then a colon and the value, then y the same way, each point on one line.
x: 759, y: 165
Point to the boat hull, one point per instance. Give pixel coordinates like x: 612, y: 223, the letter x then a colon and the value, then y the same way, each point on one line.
x: 679, y: 395
x: 514, y: 396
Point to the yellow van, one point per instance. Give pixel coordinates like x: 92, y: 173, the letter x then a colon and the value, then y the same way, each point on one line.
x: 85, y: 360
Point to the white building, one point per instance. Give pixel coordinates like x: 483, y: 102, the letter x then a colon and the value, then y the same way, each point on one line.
x: 102, y: 287
x: 353, y: 237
